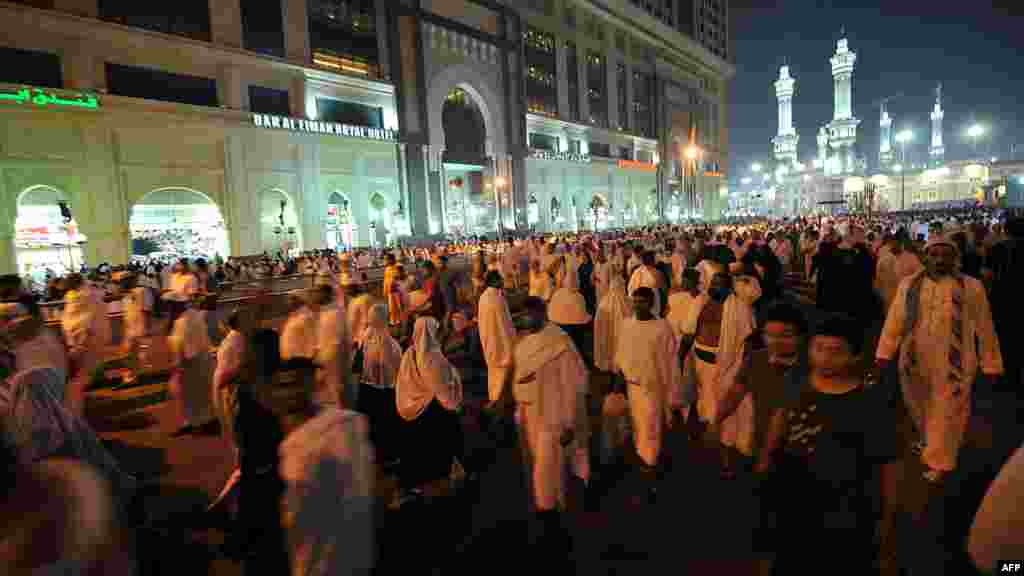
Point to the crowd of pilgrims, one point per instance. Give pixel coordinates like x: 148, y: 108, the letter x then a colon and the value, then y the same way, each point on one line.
x: 711, y: 330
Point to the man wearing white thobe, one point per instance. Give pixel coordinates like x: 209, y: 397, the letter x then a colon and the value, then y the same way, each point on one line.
x: 510, y: 262
x: 941, y: 324
x: 333, y: 352
x: 612, y: 312
x: 548, y: 383
x: 83, y: 334
x: 191, y: 381
x: 647, y: 356
x: 893, y: 267
x: 497, y: 335
x: 648, y: 276
x: 298, y: 343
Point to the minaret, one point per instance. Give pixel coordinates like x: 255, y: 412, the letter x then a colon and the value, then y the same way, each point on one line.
x: 822, y: 147
x: 936, y: 152
x: 885, y: 151
x: 786, y: 140
x: 843, y: 127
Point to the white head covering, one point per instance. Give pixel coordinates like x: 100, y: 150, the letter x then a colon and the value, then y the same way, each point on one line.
x: 381, y: 354
x: 425, y: 374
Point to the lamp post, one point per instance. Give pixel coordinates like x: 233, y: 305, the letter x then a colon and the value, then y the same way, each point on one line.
x: 692, y: 153
x: 898, y: 168
x: 974, y: 132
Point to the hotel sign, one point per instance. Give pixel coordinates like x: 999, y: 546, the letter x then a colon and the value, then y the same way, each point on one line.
x: 318, y: 127
x: 560, y: 156
x: 635, y: 165
x: 40, y: 99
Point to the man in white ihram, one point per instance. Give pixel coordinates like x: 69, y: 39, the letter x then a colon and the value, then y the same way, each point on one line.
x: 548, y: 380
x: 497, y: 335
x: 647, y: 356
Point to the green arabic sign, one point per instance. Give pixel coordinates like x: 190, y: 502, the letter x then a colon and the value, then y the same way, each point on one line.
x: 41, y: 99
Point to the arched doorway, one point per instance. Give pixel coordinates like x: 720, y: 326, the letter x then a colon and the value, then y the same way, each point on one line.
x: 279, y: 226
x: 380, y: 219
x: 469, y: 199
x: 339, y: 221
x: 172, y: 223
x: 46, y: 235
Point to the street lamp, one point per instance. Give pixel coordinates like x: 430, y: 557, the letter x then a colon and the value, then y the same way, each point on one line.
x: 974, y: 132
x: 755, y: 167
x: 902, y: 137
x: 898, y: 168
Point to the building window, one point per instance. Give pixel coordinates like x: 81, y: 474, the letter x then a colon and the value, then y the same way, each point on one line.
x: 597, y: 78
x: 570, y: 16
x: 342, y: 112
x: 262, y: 27
x: 189, y: 18
x: 31, y: 68
x: 541, y: 73
x: 643, y: 104
x: 159, y: 85
x: 343, y: 36
x: 573, y: 81
x: 599, y: 149
x: 620, y: 86
x: 543, y: 142
x: 268, y: 101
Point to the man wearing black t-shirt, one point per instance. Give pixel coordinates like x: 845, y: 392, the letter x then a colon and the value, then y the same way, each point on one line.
x: 833, y: 437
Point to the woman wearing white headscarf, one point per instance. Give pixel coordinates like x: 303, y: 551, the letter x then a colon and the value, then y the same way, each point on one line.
x: 428, y: 394
x: 611, y: 312
x: 382, y: 357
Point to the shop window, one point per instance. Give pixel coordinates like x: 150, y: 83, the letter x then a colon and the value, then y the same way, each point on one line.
x: 159, y: 85
x: 189, y: 18
x: 342, y: 112
x: 544, y: 142
x: 343, y: 36
x: 28, y: 67
x: 541, y: 72
x: 263, y: 27
x: 269, y: 101
x: 596, y: 81
x: 573, y: 81
x: 643, y: 104
x: 600, y: 149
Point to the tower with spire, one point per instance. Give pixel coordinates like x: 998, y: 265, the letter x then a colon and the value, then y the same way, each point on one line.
x: 842, y: 130
x: 885, y: 150
x: 786, y: 140
x: 936, y: 151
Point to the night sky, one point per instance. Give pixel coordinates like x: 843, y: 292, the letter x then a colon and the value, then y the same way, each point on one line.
x: 974, y: 48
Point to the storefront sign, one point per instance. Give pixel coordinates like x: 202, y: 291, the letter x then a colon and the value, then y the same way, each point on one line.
x: 317, y: 127
x: 560, y: 156
x: 635, y: 165
x: 41, y: 99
